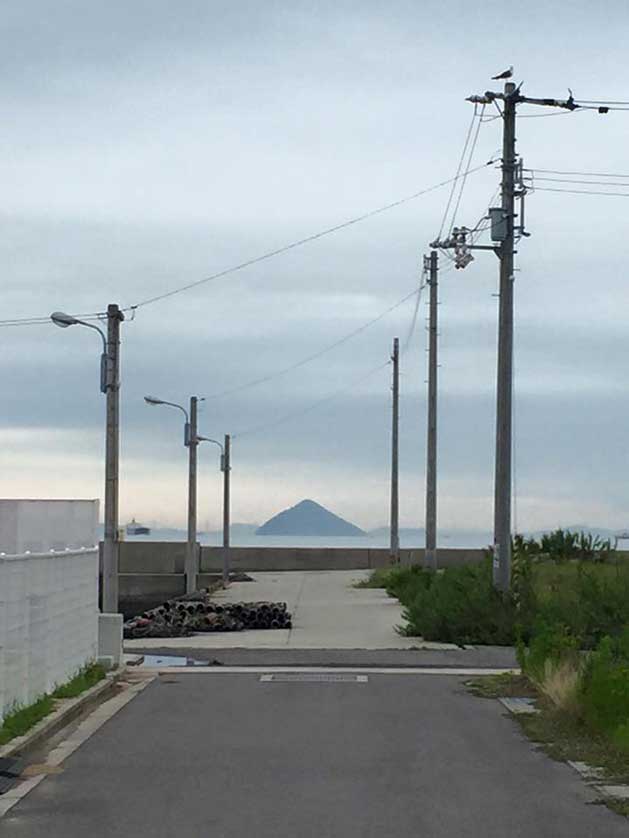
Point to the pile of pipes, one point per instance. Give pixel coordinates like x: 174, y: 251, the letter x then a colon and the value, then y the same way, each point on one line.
x: 186, y: 615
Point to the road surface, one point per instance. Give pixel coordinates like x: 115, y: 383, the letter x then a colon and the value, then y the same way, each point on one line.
x: 231, y: 756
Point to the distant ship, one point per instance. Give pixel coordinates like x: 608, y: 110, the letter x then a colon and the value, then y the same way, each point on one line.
x: 137, y: 529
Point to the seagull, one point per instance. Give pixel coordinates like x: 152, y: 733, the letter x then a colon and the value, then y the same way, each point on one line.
x: 504, y: 75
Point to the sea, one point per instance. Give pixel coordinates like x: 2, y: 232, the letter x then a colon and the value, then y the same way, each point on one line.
x: 245, y: 537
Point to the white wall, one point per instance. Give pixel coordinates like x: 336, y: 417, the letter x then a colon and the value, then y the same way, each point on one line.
x: 41, y: 525
x: 48, y: 621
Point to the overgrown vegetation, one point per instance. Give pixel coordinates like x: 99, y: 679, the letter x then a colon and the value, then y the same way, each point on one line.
x: 587, y: 596
x: 20, y: 720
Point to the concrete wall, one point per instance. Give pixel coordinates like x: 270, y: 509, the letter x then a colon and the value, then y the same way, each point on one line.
x: 37, y: 526
x: 152, y: 571
x: 156, y: 558
x: 48, y: 621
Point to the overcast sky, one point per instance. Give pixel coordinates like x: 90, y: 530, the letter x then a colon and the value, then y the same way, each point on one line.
x: 146, y: 145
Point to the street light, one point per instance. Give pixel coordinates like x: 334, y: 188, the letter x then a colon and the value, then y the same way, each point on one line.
x: 63, y: 320
x: 226, y: 469
x: 110, y: 385
x: 191, y: 441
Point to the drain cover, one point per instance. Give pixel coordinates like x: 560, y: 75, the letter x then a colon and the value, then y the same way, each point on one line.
x: 316, y: 677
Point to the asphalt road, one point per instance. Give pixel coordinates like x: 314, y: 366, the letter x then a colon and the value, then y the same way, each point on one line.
x: 229, y: 756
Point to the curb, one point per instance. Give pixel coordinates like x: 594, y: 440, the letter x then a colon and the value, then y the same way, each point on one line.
x: 66, y: 712
x: 592, y: 775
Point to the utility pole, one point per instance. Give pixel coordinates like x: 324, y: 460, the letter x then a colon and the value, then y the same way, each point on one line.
x: 432, y: 263
x: 226, y: 466
x: 192, y: 554
x: 504, y: 389
x: 395, y: 537
x: 112, y: 449
x: 504, y: 233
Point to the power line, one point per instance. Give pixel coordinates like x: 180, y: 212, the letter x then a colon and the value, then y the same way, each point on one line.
x: 296, y: 413
x: 306, y: 240
x: 45, y: 321
x: 582, y: 182
x: 303, y: 361
x: 580, y: 191
x: 602, y: 102
x: 458, y: 173
x: 469, y: 163
x: 578, y: 174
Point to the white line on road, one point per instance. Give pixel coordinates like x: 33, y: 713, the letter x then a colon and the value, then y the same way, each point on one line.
x: 366, y: 670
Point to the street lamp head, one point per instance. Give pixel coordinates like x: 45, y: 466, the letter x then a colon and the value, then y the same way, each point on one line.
x: 152, y: 400
x: 63, y: 320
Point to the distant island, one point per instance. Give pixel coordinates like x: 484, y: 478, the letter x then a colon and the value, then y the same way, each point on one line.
x: 309, y: 518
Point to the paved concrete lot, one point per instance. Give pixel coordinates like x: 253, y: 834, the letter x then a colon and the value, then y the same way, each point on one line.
x: 230, y: 756
x: 328, y: 613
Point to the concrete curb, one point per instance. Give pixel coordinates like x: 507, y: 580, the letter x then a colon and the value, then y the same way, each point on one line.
x: 85, y: 729
x: 591, y: 775
x: 67, y: 710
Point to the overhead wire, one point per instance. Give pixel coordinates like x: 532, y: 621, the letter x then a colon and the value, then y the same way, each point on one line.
x: 582, y: 182
x: 312, y: 406
x: 42, y: 321
x: 581, y: 191
x: 314, y: 356
x: 458, y: 172
x: 577, y: 174
x: 467, y: 169
x: 300, y: 242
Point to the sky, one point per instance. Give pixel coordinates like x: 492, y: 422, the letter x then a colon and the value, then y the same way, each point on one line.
x: 148, y: 145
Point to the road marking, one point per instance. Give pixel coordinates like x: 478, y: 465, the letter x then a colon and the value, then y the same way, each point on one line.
x: 315, y: 678
x: 366, y: 670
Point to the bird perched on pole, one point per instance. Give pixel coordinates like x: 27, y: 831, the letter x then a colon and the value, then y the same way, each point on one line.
x: 506, y: 74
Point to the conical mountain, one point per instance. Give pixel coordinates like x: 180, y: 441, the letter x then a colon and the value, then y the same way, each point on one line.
x: 308, y: 518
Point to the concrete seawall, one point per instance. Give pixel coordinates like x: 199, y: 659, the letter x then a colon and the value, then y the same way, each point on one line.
x: 152, y: 571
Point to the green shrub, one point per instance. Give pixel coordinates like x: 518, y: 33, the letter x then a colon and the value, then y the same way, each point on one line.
x: 406, y: 582
x: 550, y: 643
x: 460, y: 605
x: 605, y: 689
x: 592, y: 601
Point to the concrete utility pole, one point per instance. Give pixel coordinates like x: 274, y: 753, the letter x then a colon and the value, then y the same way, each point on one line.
x: 395, y: 537
x: 504, y: 232
x: 504, y: 390
x: 431, y: 448
x: 192, y: 554
x: 226, y: 466
x: 110, y: 385
x: 112, y: 456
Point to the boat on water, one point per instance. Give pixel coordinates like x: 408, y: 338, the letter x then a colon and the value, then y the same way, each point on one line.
x: 134, y: 528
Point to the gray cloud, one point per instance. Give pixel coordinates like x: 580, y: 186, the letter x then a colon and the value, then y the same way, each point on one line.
x: 145, y: 149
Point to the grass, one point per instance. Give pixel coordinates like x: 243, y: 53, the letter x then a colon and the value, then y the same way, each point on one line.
x: 21, y: 719
x: 560, y: 735
x: 502, y: 686
x: 83, y: 680
x: 376, y: 579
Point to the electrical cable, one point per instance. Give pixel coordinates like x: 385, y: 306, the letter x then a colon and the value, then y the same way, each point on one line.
x: 467, y: 169
x: 578, y: 174
x: 581, y: 191
x: 296, y: 413
x: 582, y: 182
x: 46, y: 321
x: 300, y: 242
x: 458, y: 172
x: 303, y: 361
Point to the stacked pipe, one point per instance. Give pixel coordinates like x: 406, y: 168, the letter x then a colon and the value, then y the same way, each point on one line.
x: 186, y: 615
